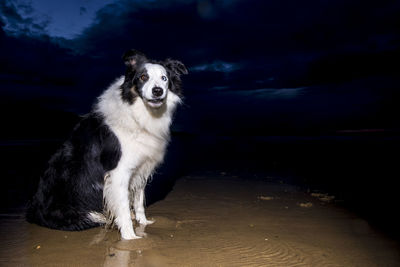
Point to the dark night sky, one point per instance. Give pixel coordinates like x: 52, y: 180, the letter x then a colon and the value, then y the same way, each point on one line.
x: 259, y: 67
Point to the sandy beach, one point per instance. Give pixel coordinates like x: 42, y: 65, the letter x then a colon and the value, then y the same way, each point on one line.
x: 214, y: 220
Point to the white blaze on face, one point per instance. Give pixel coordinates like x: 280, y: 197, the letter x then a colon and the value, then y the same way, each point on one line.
x: 157, y: 78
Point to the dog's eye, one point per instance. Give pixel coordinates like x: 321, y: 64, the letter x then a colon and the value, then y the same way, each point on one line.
x: 143, y: 77
x: 164, y: 78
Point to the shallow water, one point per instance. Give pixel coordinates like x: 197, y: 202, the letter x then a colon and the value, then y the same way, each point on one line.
x: 213, y: 221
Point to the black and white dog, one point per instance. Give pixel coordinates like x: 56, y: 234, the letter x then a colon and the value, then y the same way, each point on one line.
x: 101, y: 171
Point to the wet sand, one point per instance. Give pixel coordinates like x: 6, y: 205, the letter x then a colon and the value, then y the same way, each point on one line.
x: 214, y: 221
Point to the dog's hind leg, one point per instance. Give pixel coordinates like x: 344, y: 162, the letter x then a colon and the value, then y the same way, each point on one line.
x: 138, y: 205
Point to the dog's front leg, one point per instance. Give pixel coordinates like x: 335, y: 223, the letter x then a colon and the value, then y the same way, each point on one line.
x: 116, y: 196
x: 138, y: 205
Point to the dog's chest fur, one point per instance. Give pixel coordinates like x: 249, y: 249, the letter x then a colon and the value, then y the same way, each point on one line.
x: 143, y: 133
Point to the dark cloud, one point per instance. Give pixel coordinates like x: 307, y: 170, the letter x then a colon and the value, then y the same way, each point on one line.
x: 281, y: 39
x: 274, y: 62
x: 17, y: 19
x: 35, y: 68
x: 218, y: 66
x: 82, y: 10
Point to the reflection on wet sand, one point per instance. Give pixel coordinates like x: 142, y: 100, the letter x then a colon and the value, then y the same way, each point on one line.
x: 213, y: 221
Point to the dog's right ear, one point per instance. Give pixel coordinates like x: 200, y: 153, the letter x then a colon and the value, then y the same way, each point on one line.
x: 132, y: 57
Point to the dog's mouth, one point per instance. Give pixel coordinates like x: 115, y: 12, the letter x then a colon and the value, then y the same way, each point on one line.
x: 155, y: 102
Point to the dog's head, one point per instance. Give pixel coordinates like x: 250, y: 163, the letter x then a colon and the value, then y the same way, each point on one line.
x: 150, y: 80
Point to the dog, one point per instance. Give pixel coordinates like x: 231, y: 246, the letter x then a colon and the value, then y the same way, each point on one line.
x: 99, y: 174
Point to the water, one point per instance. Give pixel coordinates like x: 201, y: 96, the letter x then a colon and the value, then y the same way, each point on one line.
x: 213, y: 220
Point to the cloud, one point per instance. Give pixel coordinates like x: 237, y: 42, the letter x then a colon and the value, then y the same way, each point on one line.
x: 297, y: 44
x: 206, y: 9
x: 82, y: 10
x: 218, y: 66
x: 255, y: 62
x: 260, y: 39
x: 262, y: 94
x: 280, y: 93
x: 18, y: 19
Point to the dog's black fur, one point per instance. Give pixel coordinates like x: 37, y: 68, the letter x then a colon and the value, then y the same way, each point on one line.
x: 72, y: 184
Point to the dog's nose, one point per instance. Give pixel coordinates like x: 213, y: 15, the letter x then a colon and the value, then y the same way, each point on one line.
x: 157, y: 91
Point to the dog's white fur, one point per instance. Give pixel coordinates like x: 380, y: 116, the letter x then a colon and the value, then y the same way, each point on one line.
x: 143, y: 133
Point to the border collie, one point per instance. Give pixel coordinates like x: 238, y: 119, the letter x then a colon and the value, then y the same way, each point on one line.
x: 100, y: 172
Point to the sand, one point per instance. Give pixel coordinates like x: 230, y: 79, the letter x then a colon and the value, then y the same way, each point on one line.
x: 213, y: 221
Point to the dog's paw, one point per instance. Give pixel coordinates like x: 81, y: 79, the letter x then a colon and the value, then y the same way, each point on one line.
x: 129, y: 235
x: 140, y: 230
x: 141, y: 219
x: 146, y: 222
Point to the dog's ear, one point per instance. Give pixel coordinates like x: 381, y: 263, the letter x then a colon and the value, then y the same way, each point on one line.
x: 132, y: 57
x: 177, y: 67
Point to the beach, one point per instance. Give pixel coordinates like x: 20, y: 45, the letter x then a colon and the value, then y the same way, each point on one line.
x: 214, y: 220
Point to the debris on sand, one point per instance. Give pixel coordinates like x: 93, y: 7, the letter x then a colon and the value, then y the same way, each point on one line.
x: 323, y: 197
x: 265, y: 198
x: 306, y: 205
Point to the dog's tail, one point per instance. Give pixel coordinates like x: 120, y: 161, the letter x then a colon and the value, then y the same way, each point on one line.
x: 64, y: 219
x: 97, y: 217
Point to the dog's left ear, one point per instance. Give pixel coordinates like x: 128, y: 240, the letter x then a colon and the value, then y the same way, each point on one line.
x: 132, y: 57
x: 177, y: 67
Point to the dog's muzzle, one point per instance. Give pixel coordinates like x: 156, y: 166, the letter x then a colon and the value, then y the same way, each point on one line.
x: 157, y: 92
x: 156, y: 101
